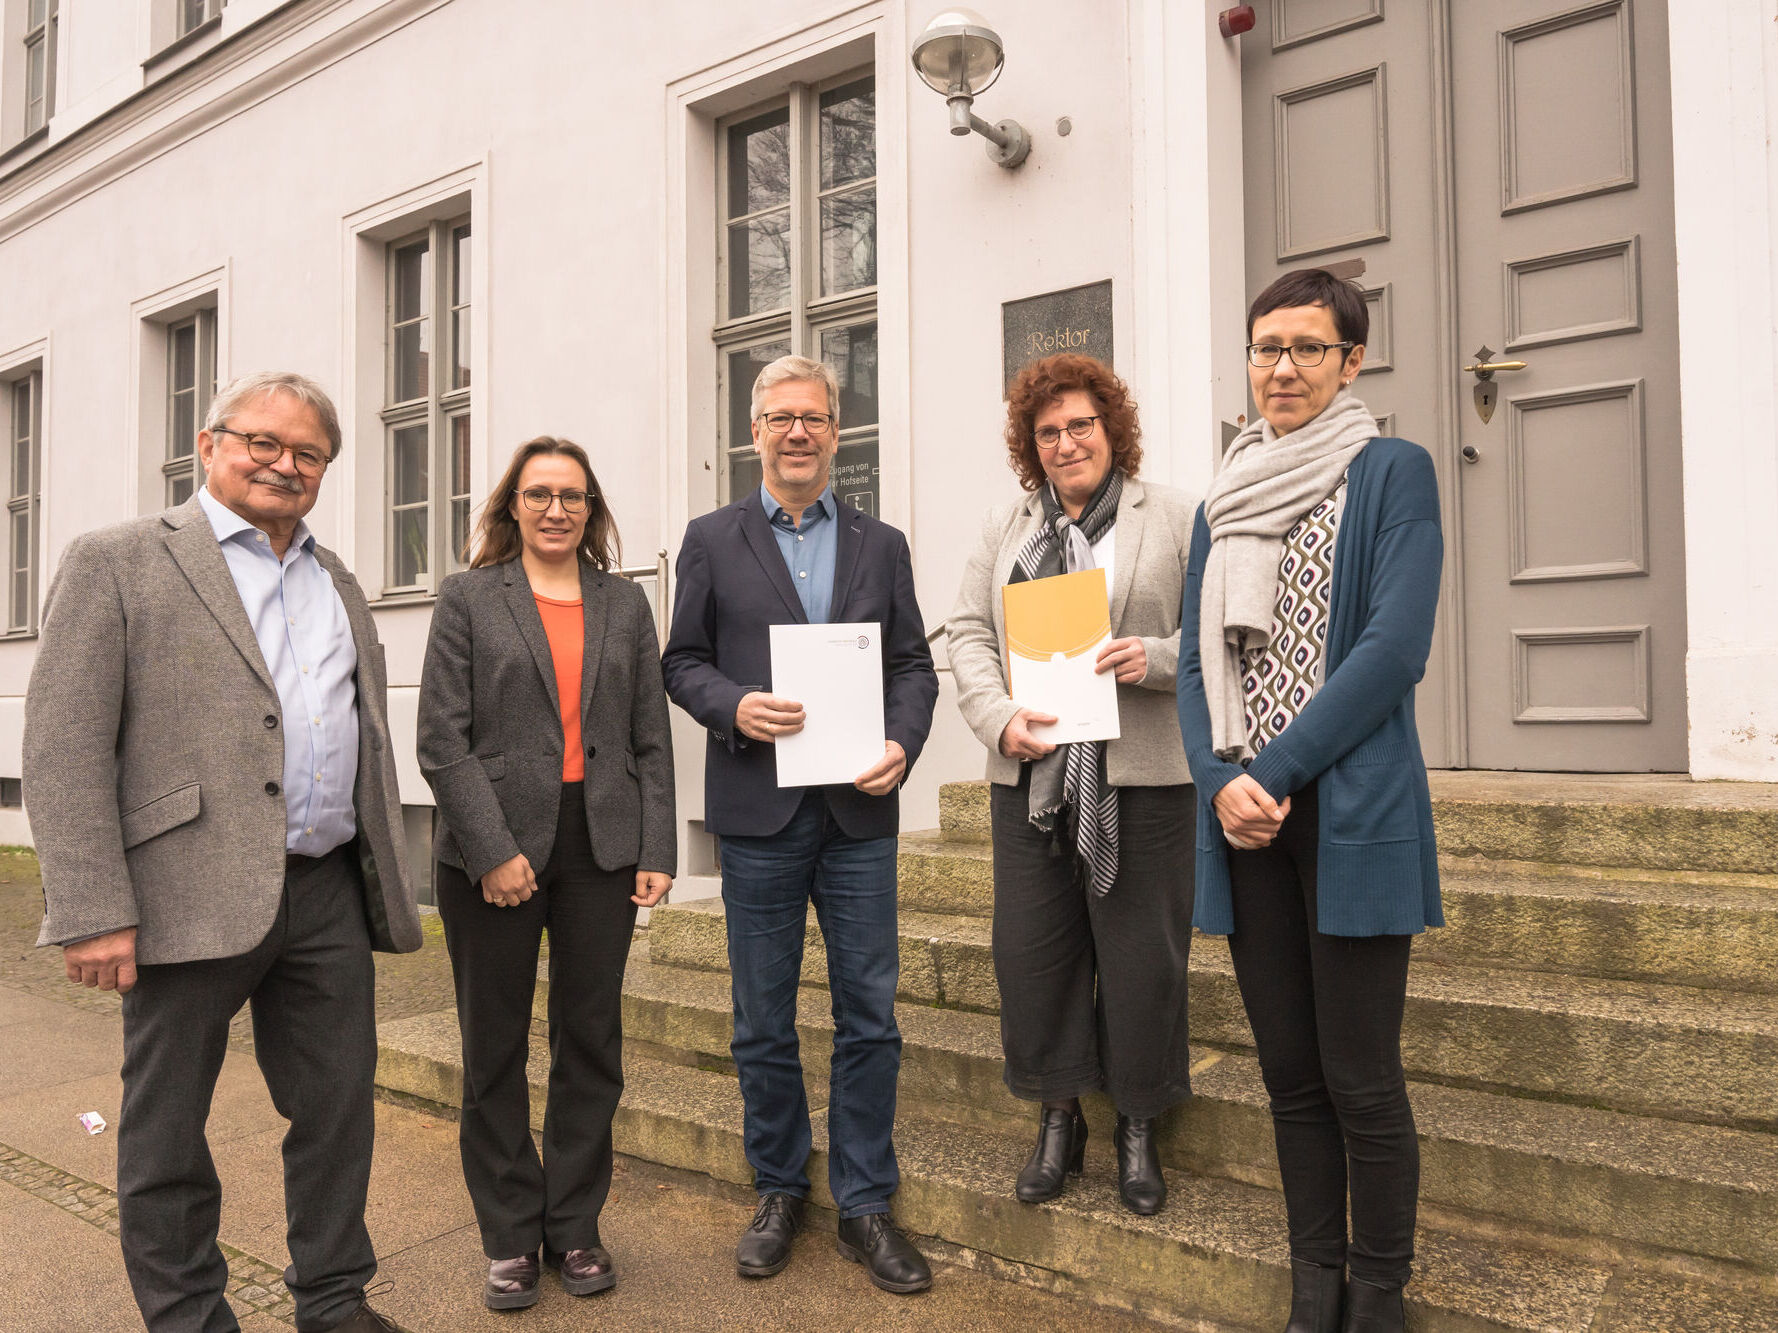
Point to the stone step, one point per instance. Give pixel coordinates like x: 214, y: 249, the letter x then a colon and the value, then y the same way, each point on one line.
x: 1215, y: 1253
x: 1671, y: 1051
x: 1695, y: 1188
x: 1687, y: 928
x: 1655, y: 821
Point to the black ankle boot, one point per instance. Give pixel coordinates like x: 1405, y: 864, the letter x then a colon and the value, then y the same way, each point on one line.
x: 1061, y: 1150
x: 1316, y: 1292
x: 1139, y: 1179
x: 1372, y: 1309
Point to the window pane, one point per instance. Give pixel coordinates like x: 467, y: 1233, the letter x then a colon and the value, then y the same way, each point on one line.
x: 413, y: 281
x: 459, y: 551
x: 849, y: 240
x: 35, y: 12
x: 852, y: 352
x: 744, y: 475
x: 182, y: 426
x: 460, y: 455
x: 413, y: 361
x: 21, y: 411
x: 460, y: 344
x: 855, y: 475
x: 184, y: 355
x: 743, y: 368
x: 35, y: 63
x: 759, y: 264
x: 179, y: 489
x: 848, y: 134
x: 410, y: 547
x: 409, y: 474
x: 460, y: 271
x: 759, y: 163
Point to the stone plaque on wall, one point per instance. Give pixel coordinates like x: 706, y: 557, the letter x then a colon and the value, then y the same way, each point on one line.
x: 1077, y: 319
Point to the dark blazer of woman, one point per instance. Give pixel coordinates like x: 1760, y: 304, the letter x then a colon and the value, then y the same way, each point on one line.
x: 490, y: 728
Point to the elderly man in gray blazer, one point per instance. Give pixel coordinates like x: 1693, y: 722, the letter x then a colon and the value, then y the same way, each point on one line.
x: 211, y: 788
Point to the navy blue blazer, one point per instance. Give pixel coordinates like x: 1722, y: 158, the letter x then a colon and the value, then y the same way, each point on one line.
x: 1377, y: 863
x: 733, y: 585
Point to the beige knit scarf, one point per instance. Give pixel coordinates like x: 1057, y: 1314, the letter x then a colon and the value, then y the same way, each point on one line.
x: 1265, y: 485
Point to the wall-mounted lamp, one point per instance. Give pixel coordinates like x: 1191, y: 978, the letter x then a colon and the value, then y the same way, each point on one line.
x: 959, y: 56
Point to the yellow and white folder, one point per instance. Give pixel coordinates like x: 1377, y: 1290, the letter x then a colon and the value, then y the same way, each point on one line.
x: 1055, y: 628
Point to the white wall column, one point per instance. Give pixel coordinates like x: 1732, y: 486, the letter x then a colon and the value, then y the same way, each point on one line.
x: 1725, y: 113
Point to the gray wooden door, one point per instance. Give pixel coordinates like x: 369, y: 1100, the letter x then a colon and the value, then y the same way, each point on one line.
x: 1504, y: 172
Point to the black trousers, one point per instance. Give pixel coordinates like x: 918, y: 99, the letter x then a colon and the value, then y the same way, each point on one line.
x: 1093, y: 990
x: 522, y: 1202
x: 1326, y: 1017
x: 311, y: 985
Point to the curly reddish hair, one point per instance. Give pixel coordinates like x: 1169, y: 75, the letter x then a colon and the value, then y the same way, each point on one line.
x: 1044, y: 381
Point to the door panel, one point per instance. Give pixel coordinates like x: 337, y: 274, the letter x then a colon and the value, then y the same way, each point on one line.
x: 1504, y: 171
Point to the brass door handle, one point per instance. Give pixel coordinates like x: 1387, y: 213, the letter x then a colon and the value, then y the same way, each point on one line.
x: 1484, y: 369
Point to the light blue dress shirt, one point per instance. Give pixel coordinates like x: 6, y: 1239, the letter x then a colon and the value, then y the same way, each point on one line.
x: 809, y: 551
x: 301, y: 625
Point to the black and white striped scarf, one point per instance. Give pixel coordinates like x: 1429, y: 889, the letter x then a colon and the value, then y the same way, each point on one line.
x: 1070, y: 781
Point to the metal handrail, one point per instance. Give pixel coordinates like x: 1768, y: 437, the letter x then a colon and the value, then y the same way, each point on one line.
x: 658, y: 571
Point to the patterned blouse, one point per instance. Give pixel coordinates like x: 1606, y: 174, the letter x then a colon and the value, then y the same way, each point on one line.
x: 1280, y: 678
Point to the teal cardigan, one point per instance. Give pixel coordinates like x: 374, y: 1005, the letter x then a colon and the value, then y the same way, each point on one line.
x: 1377, y: 867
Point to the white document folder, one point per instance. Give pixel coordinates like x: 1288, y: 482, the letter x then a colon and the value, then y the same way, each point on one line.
x: 1055, y: 629
x: 836, y: 673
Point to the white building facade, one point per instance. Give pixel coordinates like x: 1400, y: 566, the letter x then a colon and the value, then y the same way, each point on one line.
x: 478, y: 221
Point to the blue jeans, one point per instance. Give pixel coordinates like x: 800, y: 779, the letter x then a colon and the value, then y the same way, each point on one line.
x: 767, y: 885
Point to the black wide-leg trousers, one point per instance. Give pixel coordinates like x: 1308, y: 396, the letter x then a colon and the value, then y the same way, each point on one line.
x: 1326, y: 1015
x: 311, y: 986
x: 1093, y: 990
x: 523, y: 1202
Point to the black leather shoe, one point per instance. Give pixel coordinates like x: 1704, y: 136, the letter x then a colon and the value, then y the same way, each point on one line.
x: 888, y: 1256
x: 584, y: 1271
x: 765, y: 1245
x: 1139, y: 1179
x: 1061, y: 1150
x: 366, y: 1320
x: 1372, y: 1309
x: 511, y: 1284
x: 1316, y: 1295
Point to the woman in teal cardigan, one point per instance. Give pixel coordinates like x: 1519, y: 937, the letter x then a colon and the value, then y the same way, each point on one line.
x: 1309, y: 600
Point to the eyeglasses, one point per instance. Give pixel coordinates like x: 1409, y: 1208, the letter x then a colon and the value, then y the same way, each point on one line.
x: 1048, y: 437
x: 815, y: 423
x: 268, y: 449
x: 573, y: 501
x: 1303, y: 354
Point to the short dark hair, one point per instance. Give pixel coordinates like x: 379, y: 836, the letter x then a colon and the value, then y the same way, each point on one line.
x: 1316, y: 286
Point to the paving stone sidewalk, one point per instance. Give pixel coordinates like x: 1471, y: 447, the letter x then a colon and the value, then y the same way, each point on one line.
x: 672, y: 1235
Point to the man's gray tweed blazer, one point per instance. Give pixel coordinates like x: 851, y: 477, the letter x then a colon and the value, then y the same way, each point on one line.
x: 154, y: 751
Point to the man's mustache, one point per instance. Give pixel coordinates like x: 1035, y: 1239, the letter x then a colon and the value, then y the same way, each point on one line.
x: 271, y: 478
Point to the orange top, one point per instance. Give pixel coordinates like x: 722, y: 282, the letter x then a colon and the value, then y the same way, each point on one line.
x: 565, y: 626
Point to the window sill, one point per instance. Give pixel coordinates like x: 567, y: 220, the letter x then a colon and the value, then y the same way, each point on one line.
x: 24, y: 145
x: 394, y: 599
x: 17, y: 635
x: 158, y: 63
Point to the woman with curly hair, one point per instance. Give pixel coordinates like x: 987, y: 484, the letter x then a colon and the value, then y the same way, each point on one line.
x: 1093, y: 842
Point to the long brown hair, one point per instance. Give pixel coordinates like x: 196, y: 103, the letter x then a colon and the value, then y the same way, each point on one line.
x: 496, y: 539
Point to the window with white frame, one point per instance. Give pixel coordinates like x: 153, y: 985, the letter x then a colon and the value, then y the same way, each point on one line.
x: 797, y: 186
x: 191, y: 384
x: 426, y: 412
x: 194, y: 14
x: 40, y: 63
x: 24, y: 447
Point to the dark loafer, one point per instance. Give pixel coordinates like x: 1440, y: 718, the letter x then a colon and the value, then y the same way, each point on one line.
x: 585, y: 1271
x: 1060, y: 1151
x: 1139, y: 1179
x: 888, y: 1256
x: 512, y: 1283
x: 367, y: 1320
x: 764, y: 1247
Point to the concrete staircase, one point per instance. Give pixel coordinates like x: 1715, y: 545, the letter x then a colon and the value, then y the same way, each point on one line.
x: 1592, y: 1044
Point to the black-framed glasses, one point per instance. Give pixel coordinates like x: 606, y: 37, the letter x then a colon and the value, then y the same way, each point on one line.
x: 267, y: 449
x: 1048, y: 437
x: 815, y: 423
x: 574, y: 501
x: 1303, y: 354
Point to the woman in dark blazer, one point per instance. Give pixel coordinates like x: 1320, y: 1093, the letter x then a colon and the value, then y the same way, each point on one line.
x: 543, y: 734
x: 1308, y: 616
x: 1092, y: 841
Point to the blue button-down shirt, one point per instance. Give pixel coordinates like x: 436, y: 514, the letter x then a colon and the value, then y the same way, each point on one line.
x: 301, y: 625
x: 809, y: 551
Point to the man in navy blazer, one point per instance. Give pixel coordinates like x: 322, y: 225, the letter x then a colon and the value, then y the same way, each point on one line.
x: 790, y: 553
